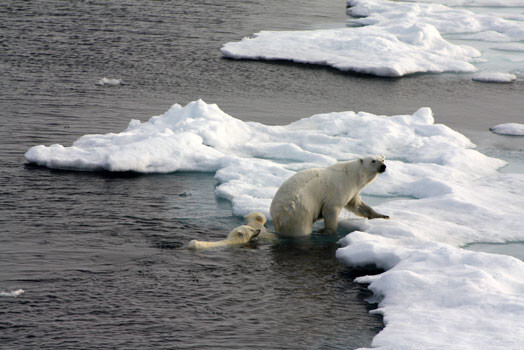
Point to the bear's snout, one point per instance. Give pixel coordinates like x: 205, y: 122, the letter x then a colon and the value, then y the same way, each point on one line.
x: 382, y: 168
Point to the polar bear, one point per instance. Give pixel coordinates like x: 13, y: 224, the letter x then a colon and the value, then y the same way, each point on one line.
x: 239, y: 235
x: 254, y: 227
x: 321, y: 193
x: 256, y: 220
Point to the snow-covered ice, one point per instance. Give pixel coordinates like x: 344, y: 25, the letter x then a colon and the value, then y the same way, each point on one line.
x: 441, y: 195
x: 395, y: 38
x: 514, y: 129
x: 494, y: 77
x: 393, y: 50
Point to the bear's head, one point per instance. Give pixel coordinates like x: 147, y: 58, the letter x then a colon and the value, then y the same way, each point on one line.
x: 375, y: 164
x: 242, y: 234
x: 255, y: 219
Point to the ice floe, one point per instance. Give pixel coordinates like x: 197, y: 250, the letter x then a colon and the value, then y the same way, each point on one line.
x: 13, y: 293
x: 494, y: 77
x: 514, y: 129
x: 441, y: 195
x: 109, y: 81
x: 391, y: 51
x: 393, y: 38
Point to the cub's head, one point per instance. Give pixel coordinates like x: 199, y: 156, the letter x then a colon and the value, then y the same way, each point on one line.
x: 255, y: 219
x: 243, y: 234
x: 374, y: 164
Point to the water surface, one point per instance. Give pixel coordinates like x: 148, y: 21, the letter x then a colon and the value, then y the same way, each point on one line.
x: 101, y: 256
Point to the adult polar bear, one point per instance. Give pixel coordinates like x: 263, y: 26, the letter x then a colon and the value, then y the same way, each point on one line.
x: 318, y: 193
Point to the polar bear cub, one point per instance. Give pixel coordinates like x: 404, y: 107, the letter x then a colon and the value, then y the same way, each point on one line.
x: 256, y: 220
x: 240, y: 235
x: 321, y: 193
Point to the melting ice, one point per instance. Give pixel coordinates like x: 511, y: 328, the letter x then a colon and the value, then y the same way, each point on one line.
x: 13, y: 293
x: 109, y: 81
x: 442, y: 194
x: 394, y: 38
x: 513, y: 129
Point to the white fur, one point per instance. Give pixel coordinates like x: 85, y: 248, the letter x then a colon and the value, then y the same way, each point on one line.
x: 318, y: 193
x: 239, y: 235
x: 256, y: 220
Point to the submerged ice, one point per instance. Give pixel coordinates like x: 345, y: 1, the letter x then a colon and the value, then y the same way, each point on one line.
x: 442, y: 194
x: 394, y: 38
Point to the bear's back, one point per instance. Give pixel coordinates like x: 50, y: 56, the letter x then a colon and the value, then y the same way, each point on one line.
x: 296, y: 191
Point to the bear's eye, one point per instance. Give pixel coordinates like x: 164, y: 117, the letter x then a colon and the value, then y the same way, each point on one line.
x: 373, y: 161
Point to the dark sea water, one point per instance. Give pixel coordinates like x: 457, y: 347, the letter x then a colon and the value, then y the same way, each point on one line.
x: 101, y: 256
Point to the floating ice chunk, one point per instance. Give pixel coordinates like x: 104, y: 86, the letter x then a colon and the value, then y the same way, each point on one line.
x: 494, y: 77
x: 14, y: 293
x: 514, y: 129
x: 393, y: 51
x: 109, y: 81
x: 445, y: 19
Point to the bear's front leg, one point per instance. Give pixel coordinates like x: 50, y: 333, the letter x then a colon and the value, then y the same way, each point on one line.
x: 357, y: 206
x: 330, y: 215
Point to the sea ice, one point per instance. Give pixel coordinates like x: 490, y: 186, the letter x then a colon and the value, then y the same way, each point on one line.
x: 391, y: 51
x: 394, y: 38
x: 441, y: 195
x: 14, y: 293
x: 513, y: 129
x: 109, y: 81
x: 494, y: 77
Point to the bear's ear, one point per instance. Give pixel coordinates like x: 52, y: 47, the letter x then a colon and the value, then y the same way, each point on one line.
x: 259, y: 219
